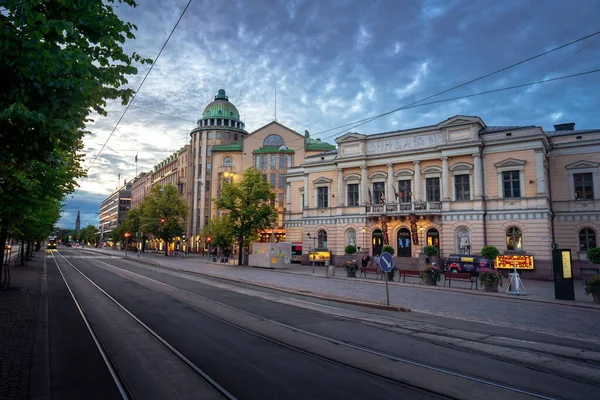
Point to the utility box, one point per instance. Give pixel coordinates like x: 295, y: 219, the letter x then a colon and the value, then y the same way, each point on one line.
x: 563, y: 274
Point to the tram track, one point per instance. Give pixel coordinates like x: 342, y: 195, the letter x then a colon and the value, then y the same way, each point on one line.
x: 349, y: 345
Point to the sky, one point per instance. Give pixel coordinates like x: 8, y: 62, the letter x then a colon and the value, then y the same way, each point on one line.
x: 333, y: 62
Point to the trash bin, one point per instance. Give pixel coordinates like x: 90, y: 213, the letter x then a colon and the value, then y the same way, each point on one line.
x: 330, y: 269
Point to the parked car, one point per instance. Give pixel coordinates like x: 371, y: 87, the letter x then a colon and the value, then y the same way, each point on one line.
x: 466, y: 263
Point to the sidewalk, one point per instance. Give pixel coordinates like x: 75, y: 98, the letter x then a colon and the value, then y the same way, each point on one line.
x: 19, y: 305
x: 537, y: 312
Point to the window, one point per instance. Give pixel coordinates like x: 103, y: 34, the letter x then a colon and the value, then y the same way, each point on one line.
x: 263, y: 162
x: 511, y: 184
x: 257, y: 162
x: 273, y: 179
x: 352, y: 194
x: 281, y: 200
x: 281, y: 180
x: 322, y: 239
x: 290, y: 162
x: 218, y: 135
x: 264, y: 177
x: 403, y: 190
x: 273, y: 161
x: 208, y: 150
x: 227, y: 162
x: 514, y: 239
x: 274, y: 141
x: 323, y: 197
x: 281, y: 162
x: 301, y: 202
x: 587, y: 239
x: 584, y: 186
x: 209, y: 135
x: 432, y: 189
x: 208, y: 168
x: 462, y: 187
x: 378, y: 192
x: 433, y: 238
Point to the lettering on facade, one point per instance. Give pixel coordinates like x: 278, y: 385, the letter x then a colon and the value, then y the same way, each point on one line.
x: 409, y: 143
x: 351, y: 149
x: 459, y: 135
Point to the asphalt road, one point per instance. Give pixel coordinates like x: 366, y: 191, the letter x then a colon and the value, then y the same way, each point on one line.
x: 247, y: 346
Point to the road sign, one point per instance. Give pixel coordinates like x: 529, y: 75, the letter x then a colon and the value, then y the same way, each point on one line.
x: 386, y: 261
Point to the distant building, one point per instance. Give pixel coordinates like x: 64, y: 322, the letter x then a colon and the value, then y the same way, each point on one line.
x: 114, y: 209
x: 77, y: 225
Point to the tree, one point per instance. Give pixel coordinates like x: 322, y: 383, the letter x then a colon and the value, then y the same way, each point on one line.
x: 221, y: 231
x: 248, y: 203
x: 60, y: 61
x: 490, y: 252
x: 166, y: 211
x: 89, y: 234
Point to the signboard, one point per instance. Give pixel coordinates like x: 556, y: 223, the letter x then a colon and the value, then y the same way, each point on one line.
x: 386, y: 262
x: 566, y: 264
x: 467, y: 259
x: 509, y: 261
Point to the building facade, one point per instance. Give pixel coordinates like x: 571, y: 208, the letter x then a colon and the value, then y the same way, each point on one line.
x: 114, y: 209
x: 458, y: 185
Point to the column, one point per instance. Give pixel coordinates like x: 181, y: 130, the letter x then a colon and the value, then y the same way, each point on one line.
x: 288, y: 200
x: 390, y: 183
x: 340, y: 188
x: 305, y: 192
x: 417, y: 188
x: 478, y: 176
x: 540, y: 173
x: 364, y: 185
x: 445, y: 191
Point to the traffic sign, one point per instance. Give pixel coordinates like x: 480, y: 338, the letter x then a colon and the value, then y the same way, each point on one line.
x: 386, y: 261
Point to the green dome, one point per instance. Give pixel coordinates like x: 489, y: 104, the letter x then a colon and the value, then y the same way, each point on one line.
x: 221, y: 108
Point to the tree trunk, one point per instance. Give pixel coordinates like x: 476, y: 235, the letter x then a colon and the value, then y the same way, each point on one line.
x: 3, y: 233
x: 22, y: 252
x: 29, y: 250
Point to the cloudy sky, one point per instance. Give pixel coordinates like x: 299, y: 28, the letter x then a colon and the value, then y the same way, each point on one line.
x: 333, y: 62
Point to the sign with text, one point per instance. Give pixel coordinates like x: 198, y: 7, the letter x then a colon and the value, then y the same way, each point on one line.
x: 509, y: 261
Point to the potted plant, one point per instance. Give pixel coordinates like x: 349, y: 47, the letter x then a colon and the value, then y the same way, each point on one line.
x: 593, y: 285
x: 350, y: 249
x: 431, y: 275
x: 490, y: 279
x: 389, y: 249
x: 490, y: 252
x: 429, y: 252
x: 351, y: 267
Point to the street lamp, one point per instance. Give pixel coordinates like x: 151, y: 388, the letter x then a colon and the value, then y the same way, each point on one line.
x: 364, y: 242
x: 314, y: 251
x: 127, y: 234
x: 421, y: 232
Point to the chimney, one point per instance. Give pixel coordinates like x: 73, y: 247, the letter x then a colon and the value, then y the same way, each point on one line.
x: 569, y: 126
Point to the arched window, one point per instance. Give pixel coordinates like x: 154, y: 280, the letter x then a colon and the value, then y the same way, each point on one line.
x: 227, y: 162
x: 273, y: 141
x: 433, y: 238
x: 514, y: 239
x: 322, y: 239
x: 587, y: 239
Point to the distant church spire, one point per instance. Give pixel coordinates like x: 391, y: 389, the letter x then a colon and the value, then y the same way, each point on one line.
x: 77, y: 224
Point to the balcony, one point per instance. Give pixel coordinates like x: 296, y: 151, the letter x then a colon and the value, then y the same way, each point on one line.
x: 416, y: 207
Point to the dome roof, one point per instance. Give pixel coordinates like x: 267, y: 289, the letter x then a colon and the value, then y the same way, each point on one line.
x: 221, y: 108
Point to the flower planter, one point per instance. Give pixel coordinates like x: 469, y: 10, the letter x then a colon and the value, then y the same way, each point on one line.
x: 429, y: 280
x: 596, y: 296
x: 493, y: 287
x: 351, y: 274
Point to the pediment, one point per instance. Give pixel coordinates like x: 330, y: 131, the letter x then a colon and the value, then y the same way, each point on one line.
x: 350, y: 137
x: 379, y: 174
x: 459, y: 120
x: 404, y: 172
x: 431, y: 170
x: 510, y: 162
x: 583, y: 164
x: 461, y: 166
x: 352, y: 177
x: 322, y: 180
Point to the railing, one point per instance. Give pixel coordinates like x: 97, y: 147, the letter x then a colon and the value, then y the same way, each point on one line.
x: 415, y: 207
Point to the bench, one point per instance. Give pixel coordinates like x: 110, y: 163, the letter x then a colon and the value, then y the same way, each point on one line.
x: 408, y: 272
x: 369, y: 270
x: 461, y: 276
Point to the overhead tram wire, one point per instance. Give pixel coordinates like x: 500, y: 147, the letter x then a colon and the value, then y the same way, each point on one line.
x: 137, y: 91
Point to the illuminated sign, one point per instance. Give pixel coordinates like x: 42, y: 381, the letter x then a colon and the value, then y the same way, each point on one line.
x: 466, y: 259
x: 566, y: 264
x: 521, y: 262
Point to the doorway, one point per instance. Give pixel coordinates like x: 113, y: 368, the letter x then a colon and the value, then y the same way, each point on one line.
x: 404, y: 245
x: 377, y: 242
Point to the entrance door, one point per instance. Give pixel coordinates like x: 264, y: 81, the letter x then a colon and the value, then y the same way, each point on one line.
x: 404, y: 249
x: 377, y: 242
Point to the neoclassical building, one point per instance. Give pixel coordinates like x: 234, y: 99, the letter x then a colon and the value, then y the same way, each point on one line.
x: 458, y: 185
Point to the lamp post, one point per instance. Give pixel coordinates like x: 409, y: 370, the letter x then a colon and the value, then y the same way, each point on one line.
x: 421, y: 231
x: 127, y: 234
x: 364, y: 242
x: 313, y: 252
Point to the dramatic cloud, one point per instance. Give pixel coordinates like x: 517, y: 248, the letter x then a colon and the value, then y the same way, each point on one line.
x: 334, y: 62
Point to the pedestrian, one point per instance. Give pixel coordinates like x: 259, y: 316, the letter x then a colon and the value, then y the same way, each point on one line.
x: 376, y: 260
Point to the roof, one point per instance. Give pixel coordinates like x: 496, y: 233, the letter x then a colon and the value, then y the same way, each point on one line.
x: 317, y: 145
x: 496, y: 129
x: 221, y: 108
x: 235, y: 146
x: 327, y: 153
x: 566, y: 133
x: 272, y: 149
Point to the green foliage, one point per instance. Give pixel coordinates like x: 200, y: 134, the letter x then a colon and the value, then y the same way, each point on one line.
x: 490, y: 252
x: 248, y: 203
x: 388, y: 249
x: 433, y: 272
x: 163, y: 202
x: 351, y: 267
x: 430, y: 251
x: 221, y: 231
x: 593, y: 285
x: 89, y: 234
x: 490, y: 277
x: 593, y: 255
x: 350, y: 249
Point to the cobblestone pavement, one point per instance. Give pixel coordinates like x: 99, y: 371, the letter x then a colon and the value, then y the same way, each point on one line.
x: 550, y: 318
x: 18, y: 317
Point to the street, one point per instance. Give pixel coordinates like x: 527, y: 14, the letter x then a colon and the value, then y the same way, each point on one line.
x: 124, y: 329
